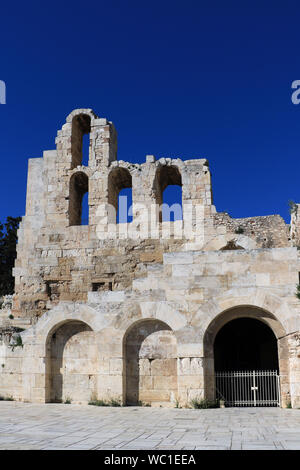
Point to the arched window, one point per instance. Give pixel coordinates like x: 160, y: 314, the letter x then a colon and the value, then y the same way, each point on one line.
x: 120, y: 194
x: 81, y: 127
x: 168, y: 189
x: 78, y: 199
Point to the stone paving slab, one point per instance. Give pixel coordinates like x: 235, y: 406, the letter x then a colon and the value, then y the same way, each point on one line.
x: 70, y: 427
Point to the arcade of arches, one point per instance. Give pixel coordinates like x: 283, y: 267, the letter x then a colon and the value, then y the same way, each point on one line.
x: 152, y: 372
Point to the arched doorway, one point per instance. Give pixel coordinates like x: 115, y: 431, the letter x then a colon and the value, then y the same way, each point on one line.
x: 245, y: 358
x: 246, y: 364
x: 71, y: 363
x: 150, y: 356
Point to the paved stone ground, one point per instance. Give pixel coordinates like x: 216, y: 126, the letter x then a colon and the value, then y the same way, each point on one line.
x: 54, y: 426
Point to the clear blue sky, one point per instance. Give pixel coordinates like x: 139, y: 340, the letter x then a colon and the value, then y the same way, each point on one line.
x: 206, y: 79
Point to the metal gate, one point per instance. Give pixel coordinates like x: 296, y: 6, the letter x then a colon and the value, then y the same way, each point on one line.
x: 248, y: 388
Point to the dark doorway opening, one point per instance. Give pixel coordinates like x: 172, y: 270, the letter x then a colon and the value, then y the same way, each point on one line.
x: 246, y: 364
x: 245, y: 344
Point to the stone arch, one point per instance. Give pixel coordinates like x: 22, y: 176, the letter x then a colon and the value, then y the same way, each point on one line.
x: 238, y: 311
x: 71, y: 362
x: 236, y: 241
x: 81, y: 125
x: 252, y: 297
x: 150, y: 363
x: 88, y: 111
x: 245, y: 311
x: 162, y: 311
x: 78, y: 187
x: 60, y: 314
x: 165, y: 176
x: 119, y: 178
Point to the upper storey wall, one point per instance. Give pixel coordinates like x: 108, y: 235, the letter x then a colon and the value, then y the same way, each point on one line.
x: 56, y: 253
x: 58, y: 259
x: 63, y: 181
x: 67, y: 179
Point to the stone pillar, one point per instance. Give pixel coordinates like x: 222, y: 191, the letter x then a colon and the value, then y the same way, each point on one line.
x: 143, y: 200
x: 284, y: 370
x: 190, y: 379
x: 295, y: 224
x: 110, y: 378
x: 294, y: 369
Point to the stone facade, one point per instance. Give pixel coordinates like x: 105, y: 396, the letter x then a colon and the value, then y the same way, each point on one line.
x: 127, y: 315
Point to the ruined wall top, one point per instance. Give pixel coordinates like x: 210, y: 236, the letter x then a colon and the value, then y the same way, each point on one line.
x: 103, y: 139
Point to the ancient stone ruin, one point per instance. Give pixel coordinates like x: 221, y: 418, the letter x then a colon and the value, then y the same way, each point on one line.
x: 148, y: 311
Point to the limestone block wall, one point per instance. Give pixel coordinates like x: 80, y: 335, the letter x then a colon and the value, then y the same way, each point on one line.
x: 135, y: 318
x: 11, y: 362
x: 154, y: 343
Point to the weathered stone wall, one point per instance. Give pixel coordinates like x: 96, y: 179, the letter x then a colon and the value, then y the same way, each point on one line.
x: 59, y: 259
x: 135, y: 318
x: 192, y: 294
x: 269, y: 231
x: 11, y: 362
